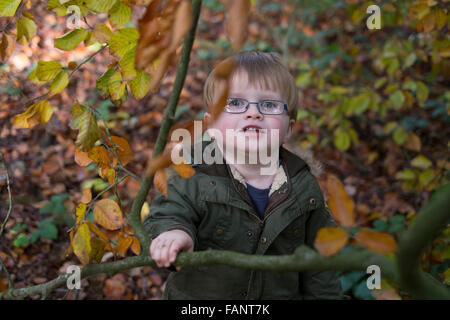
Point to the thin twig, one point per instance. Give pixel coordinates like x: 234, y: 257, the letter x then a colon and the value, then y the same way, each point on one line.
x: 8, y: 187
x: 87, y: 59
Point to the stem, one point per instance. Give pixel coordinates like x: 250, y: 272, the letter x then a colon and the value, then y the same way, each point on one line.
x: 134, y: 215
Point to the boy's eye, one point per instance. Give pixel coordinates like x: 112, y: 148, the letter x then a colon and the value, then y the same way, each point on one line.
x: 236, y: 103
x: 268, y: 105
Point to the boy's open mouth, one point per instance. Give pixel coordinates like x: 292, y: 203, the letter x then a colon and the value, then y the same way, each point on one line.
x: 253, y: 128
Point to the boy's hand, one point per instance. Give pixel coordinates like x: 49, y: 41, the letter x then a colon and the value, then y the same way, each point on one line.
x: 165, y: 247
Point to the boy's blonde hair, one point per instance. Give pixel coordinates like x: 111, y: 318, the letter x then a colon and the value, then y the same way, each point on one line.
x: 264, y: 70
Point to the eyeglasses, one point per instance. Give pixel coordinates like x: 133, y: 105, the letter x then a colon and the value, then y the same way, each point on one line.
x: 268, y: 107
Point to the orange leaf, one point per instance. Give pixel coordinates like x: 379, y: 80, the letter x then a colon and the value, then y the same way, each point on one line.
x: 82, y: 158
x: 330, y: 240
x: 107, y: 213
x: 220, y: 104
x: 161, y: 161
x: 136, y: 246
x: 6, y: 47
x: 160, y: 181
x: 413, y: 142
x: 86, y: 196
x: 341, y: 205
x: 237, y: 22
x: 99, y: 155
x: 376, y: 241
x: 184, y: 170
x: 123, y: 150
x: 224, y: 69
x: 123, y: 245
x: 182, y: 24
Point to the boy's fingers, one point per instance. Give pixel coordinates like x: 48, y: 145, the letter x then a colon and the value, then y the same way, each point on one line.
x: 174, y: 248
x: 165, y: 254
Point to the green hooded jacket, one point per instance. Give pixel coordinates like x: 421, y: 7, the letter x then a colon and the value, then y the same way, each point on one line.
x: 214, y: 208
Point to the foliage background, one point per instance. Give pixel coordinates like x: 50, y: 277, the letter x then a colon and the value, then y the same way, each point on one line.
x: 374, y: 109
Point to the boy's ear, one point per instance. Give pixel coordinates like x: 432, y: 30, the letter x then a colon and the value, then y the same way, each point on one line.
x: 207, y: 117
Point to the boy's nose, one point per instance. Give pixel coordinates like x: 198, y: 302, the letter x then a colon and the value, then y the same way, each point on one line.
x: 253, y: 112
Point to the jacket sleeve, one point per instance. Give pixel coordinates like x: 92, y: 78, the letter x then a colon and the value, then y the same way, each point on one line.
x: 174, y: 212
x: 319, y: 284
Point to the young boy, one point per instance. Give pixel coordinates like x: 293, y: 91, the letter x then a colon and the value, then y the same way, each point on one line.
x: 233, y: 206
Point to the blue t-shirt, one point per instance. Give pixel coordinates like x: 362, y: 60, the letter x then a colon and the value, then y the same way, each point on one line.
x: 259, y: 198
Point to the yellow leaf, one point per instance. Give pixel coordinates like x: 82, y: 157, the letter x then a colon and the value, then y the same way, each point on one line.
x: 80, y: 212
x: 184, y: 170
x: 59, y: 83
x: 145, y: 210
x: 82, y: 243
x: 34, y: 115
x: 376, y: 241
x: 97, y: 250
x: 440, y: 18
x: 85, y: 122
x: 102, y: 33
x: 97, y: 231
x: 160, y: 181
x: 8, y: 7
x: 107, y: 213
x: 47, y: 70
x: 330, y: 240
x: 140, y: 85
x: 119, y: 14
x: 341, y: 205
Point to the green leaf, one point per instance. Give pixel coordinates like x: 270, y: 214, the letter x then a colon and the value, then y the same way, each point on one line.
x: 409, y: 60
x: 422, y: 92
x: 406, y: 174
x: 71, y: 39
x: 26, y: 30
x: 123, y: 40
x: 380, y: 225
x: 360, y: 103
x: 59, y: 83
x: 116, y: 87
x: 421, y: 162
x: 21, y: 240
x: 341, y: 140
x: 103, y: 82
x: 127, y: 65
x: 426, y: 177
x: 397, y: 99
x: 47, y: 70
x: 47, y: 230
x: 140, y: 85
x: 119, y: 14
x: 400, y: 135
x: 85, y: 121
x: 8, y: 7
x: 100, y: 5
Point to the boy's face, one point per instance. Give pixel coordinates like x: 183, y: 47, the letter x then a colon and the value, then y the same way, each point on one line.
x: 277, y: 126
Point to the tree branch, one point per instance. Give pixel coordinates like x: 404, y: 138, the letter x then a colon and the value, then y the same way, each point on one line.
x: 432, y: 218
x: 304, y: 259
x: 134, y: 215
